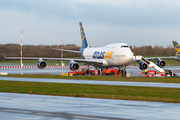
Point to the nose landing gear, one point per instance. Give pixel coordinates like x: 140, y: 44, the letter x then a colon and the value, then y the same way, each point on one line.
x: 122, y: 70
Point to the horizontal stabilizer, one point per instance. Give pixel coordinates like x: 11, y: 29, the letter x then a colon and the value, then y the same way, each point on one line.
x: 67, y: 50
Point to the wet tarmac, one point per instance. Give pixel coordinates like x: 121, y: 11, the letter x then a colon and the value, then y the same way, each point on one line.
x: 133, y: 70
x: 121, y: 83
x: 53, y: 71
x: 27, y: 106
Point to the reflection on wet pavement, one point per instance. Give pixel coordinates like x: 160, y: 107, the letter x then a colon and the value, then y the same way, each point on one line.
x: 18, y: 106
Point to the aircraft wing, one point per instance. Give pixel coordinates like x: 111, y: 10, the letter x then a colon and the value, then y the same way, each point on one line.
x: 157, y: 58
x: 67, y: 50
x: 154, y: 58
x: 58, y: 59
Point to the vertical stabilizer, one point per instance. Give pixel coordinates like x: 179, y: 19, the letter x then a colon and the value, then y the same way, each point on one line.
x: 176, y: 48
x: 83, y: 37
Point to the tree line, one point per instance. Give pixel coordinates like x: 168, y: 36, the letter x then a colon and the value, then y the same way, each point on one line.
x: 47, y: 51
x: 153, y: 51
x: 13, y: 50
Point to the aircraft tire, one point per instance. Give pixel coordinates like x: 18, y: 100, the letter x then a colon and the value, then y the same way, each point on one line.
x: 123, y: 73
x: 87, y: 71
x: 99, y: 72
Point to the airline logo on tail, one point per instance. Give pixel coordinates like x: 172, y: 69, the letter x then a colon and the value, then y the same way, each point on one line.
x: 83, y: 37
x: 177, y: 48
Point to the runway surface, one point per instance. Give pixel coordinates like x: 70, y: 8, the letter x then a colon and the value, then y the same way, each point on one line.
x: 134, y: 70
x: 145, y: 84
x: 26, y: 106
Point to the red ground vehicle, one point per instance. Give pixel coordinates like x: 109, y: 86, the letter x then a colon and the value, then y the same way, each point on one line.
x: 81, y: 72
x: 114, y: 70
x: 110, y: 71
x: 93, y: 72
x: 150, y: 72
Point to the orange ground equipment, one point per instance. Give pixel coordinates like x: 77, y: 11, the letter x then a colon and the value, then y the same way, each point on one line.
x: 81, y: 72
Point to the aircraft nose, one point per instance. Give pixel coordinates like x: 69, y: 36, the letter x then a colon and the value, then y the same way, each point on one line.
x: 129, y: 58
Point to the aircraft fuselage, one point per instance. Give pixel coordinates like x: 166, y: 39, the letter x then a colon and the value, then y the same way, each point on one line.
x: 117, y: 54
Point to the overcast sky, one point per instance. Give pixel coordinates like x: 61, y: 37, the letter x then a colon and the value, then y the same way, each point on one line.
x: 48, y: 22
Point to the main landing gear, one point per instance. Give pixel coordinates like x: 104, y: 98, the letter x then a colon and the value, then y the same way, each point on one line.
x: 87, y: 69
x: 122, y: 70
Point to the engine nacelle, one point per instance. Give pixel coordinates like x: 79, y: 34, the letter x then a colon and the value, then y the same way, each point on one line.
x: 41, y: 64
x: 74, y: 66
x: 143, y: 66
x: 161, y: 63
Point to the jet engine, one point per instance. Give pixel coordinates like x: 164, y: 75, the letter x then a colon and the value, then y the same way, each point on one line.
x: 74, y: 66
x: 143, y: 66
x: 41, y: 64
x: 161, y: 63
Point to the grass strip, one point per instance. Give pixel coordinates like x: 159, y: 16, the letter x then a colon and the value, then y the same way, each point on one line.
x: 103, y: 78
x: 94, y: 91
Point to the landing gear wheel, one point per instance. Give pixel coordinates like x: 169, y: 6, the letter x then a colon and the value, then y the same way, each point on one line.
x: 123, y: 73
x: 99, y: 72
x: 87, y: 71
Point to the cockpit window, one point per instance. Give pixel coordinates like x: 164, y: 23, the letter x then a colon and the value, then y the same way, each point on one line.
x: 124, y: 46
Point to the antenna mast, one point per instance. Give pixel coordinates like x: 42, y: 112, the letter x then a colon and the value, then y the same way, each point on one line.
x: 21, y: 65
x: 62, y: 54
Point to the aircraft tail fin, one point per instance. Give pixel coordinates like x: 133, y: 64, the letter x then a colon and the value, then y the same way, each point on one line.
x: 83, y: 37
x: 176, y: 48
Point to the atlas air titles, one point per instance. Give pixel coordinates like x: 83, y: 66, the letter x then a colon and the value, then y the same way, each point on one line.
x: 102, y: 55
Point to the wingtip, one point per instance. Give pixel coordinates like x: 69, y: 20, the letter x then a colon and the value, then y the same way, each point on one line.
x: 4, y: 55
